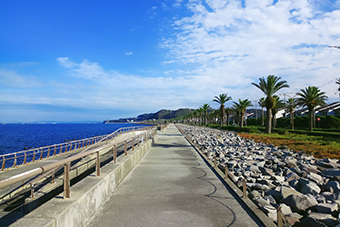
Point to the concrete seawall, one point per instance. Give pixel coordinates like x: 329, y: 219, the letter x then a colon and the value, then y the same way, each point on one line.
x: 87, y: 196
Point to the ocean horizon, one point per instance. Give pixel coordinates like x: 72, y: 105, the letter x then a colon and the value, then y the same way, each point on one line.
x: 16, y: 137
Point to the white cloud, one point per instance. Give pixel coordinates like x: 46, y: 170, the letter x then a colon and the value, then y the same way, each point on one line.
x: 86, y: 69
x: 129, y: 53
x: 65, y: 62
x: 112, y: 89
x: 231, y: 45
x: 15, y: 80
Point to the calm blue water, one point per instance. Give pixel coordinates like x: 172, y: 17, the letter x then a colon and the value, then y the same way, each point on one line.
x: 15, y: 137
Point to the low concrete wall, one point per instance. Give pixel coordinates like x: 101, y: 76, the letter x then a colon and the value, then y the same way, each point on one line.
x: 87, y: 196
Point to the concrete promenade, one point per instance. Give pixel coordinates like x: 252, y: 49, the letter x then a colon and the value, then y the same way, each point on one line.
x: 172, y: 186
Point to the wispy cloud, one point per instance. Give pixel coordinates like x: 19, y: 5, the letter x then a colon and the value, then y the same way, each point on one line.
x: 85, y: 69
x: 11, y: 79
x: 123, y: 91
x: 129, y: 53
x: 234, y: 43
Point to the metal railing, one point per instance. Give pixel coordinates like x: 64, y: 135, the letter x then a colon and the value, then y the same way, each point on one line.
x: 29, y: 180
x: 19, y: 158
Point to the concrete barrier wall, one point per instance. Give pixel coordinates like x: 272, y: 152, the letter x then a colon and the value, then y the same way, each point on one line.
x: 87, y: 196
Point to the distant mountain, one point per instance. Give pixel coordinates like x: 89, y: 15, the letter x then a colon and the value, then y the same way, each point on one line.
x: 165, y: 114
x: 162, y: 114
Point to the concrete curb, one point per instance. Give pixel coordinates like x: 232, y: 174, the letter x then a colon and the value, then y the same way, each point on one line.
x: 87, y: 196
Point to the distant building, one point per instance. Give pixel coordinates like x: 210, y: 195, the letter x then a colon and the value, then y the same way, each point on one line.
x: 330, y: 109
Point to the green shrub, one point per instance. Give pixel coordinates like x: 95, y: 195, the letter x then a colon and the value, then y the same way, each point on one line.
x: 253, y: 129
x: 329, y: 122
x: 282, y: 131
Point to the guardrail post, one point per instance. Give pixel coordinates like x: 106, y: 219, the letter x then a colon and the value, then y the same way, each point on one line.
x: 98, y: 164
x: 244, y: 188
x: 138, y: 138
x: 48, y: 152
x: 125, y: 149
x: 32, y: 191
x: 25, y: 158
x: 53, y: 176
x: 41, y: 153
x: 33, y: 158
x: 55, y: 150
x: 133, y: 144
x: 114, y: 153
x: 67, y: 185
x: 279, y: 217
x: 15, y: 160
x: 3, y: 163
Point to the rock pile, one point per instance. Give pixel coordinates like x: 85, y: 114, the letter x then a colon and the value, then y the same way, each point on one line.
x: 307, y: 189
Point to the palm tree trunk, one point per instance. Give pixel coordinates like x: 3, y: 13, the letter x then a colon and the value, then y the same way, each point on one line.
x: 292, y: 119
x: 262, y: 117
x: 223, y: 113
x: 269, y: 121
x: 311, y: 119
x: 242, y: 117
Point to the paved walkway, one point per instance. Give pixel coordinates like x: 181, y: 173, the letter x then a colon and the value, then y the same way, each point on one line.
x: 172, y: 186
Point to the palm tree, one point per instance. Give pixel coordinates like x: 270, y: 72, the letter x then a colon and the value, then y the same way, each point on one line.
x: 279, y: 104
x: 290, y: 107
x: 269, y: 87
x: 228, y: 111
x: 215, y: 115
x: 311, y: 97
x: 338, y: 83
x: 195, y: 115
x: 262, y: 103
x: 222, y: 99
x: 200, y: 114
x: 205, y: 108
x: 241, y: 107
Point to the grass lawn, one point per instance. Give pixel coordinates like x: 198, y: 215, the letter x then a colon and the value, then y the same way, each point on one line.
x: 319, y: 146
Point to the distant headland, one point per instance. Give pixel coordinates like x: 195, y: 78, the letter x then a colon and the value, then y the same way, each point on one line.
x: 161, y: 114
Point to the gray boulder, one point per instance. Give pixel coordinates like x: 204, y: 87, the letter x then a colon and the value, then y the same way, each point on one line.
x: 254, y: 169
x: 293, y: 218
x: 270, y: 199
x: 270, y: 211
x: 300, y: 203
x: 331, y: 172
x: 335, y: 185
x: 310, y: 222
x: 327, y: 208
x: 310, y: 188
x: 327, y: 219
x: 285, y: 209
x: 261, y: 201
x: 292, y: 176
x: 254, y: 194
x: 266, y: 171
x: 287, y: 191
x: 315, y: 177
x: 329, y: 196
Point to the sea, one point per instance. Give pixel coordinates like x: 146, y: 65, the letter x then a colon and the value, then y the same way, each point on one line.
x: 17, y: 137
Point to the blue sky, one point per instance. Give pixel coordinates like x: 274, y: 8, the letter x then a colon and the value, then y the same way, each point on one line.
x: 88, y: 61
